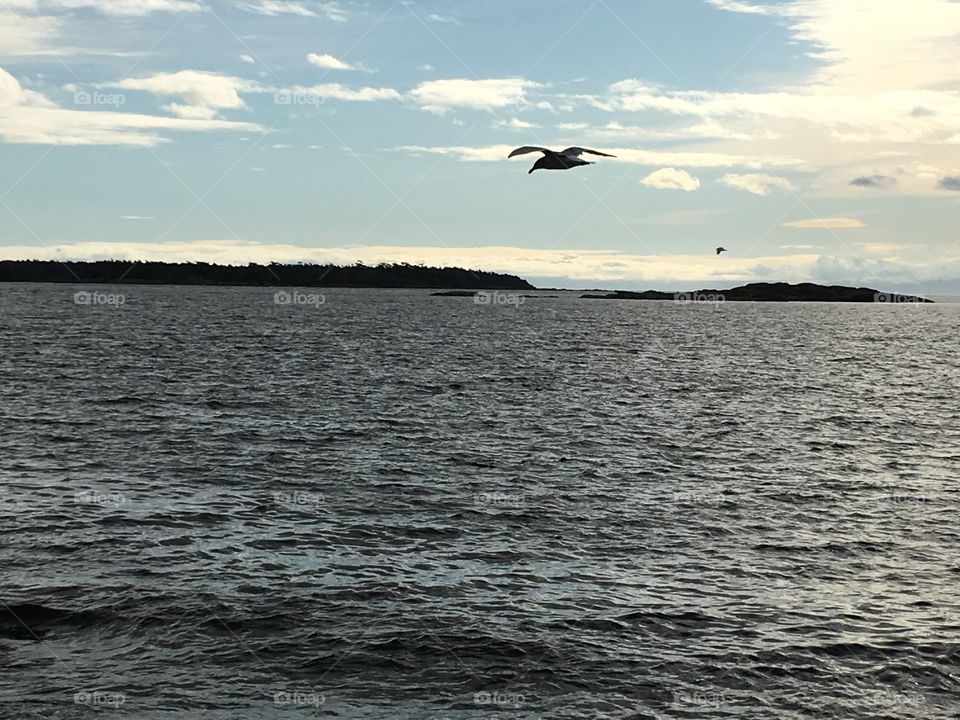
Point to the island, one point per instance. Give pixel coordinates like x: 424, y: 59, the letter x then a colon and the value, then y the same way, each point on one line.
x: 768, y: 292
x: 384, y: 275
x: 475, y: 293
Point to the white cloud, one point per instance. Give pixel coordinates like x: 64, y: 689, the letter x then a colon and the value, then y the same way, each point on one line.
x: 38, y: 27
x: 202, y: 94
x: 743, y: 7
x: 884, y: 93
x: 29, y: 117
x: 127, y: 7
x: 671, y: 179
x: 331, y: 10
x: 830, y: 223
x: 277, y: 7
x: 336, y: 91
x: 757, y: 183
x: 516, y: 124
x: 247, y: 59
x: 28, y: 34
x: 328, y: 62
x: 490, y: 94
x: 443, y: 19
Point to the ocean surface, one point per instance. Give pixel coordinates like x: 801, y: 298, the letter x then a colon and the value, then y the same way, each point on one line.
x: 222, y: 503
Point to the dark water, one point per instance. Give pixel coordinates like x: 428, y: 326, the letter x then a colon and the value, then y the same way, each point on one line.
x: 398, y: 506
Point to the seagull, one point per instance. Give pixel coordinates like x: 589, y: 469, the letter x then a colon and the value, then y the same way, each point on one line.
x: 552, y: 160
x: 720, y: 250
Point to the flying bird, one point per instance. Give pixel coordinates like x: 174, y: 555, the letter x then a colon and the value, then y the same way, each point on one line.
x: 720, y: 250
x: 552, y: 160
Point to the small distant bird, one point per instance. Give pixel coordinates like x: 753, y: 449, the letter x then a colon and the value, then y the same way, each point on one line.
x: 720, y: 250
x: 552, y: 160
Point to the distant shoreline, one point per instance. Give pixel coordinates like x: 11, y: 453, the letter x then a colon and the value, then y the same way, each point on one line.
x: 384, y: 275
x: 448, y: 281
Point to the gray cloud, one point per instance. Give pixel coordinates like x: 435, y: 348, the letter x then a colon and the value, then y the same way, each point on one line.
x: 879, y: 182
x: 950, y: 182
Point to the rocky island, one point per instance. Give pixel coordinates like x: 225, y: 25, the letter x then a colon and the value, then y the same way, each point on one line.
x: 768, y: 292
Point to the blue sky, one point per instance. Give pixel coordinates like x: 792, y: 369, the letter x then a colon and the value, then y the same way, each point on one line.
x: 815, y: 139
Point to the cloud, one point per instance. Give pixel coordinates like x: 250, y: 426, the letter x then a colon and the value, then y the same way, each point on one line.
x: 950, y: 182
x: 128, y: 7
x: 516, y: 124
x: 328, y: 62
x: 742, y: 7
x: 247, y: 59
x: 879, y: 182
x: 757, y: 183
x: 832, y: 223
x: 271, y: 8
x: 29, y: 34
x: 336, y: 91
x: 490, y: 94
x: 29, y: 117
x: 671, y: 179
x: 202, y: 94
x: 443, y: 19
x: 137, y: 217
x: 883, y: 85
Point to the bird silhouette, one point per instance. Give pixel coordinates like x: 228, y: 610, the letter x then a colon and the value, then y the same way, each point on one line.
x: 720, y: 250
x: 552, y: 160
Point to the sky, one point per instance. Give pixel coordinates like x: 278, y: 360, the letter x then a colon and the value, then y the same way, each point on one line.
x: 816, y: 140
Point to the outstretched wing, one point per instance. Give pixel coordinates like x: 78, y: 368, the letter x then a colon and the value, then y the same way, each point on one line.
x: 528, y: 149
x: 578, y: 151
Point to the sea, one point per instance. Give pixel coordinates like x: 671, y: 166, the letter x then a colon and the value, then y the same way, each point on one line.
x: 231, y: 503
